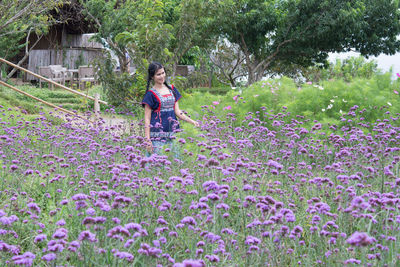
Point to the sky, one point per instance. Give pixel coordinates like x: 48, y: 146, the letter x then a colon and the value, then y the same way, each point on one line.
x: 384, y: 61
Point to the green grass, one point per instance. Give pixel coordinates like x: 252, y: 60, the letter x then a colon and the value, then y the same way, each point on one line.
x: 57, y: 96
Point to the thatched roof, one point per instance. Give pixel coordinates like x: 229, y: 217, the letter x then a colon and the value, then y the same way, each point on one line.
x: 72, y: 19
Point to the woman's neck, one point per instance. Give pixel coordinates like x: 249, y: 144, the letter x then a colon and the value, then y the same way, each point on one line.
x: 158, y: 86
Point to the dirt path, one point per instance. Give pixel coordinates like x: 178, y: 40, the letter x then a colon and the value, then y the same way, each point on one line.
x: 113, y: 123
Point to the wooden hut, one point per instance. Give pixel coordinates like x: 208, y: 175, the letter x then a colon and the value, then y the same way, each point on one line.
x: 70, y: 51
x: 68, y: 43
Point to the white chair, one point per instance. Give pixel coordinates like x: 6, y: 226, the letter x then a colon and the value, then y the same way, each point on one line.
x: 61, y: 72
x: 48, y: 73
x: 85, y: 74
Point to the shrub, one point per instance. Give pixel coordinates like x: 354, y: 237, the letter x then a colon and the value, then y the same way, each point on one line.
x: 347, y: 69
x: 327, y: 101
x: 120, y: 87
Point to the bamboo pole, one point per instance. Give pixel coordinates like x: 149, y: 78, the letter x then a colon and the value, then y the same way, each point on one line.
x: 42, y: 101
x: 49, y: 80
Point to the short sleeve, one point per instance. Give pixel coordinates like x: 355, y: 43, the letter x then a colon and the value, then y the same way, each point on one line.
x: 176, y: 93
x: 150, y: 100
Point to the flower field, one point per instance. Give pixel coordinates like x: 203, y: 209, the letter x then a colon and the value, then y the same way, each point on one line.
x: 241, y: 193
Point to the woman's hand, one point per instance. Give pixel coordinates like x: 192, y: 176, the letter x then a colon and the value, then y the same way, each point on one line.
x: 180, y: 115
x: 149, y: 146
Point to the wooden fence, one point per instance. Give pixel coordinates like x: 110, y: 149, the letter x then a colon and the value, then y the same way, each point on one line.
x: 95, y: 99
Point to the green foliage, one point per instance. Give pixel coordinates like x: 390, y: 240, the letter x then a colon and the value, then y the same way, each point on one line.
x: 190, y: 36
x: 347, y: 69
x: 28, y: 107
x: 326, y: 102
x: 192, y: 57
x: 194, y: 79
x: 18, y: 18
x: 148, y: 37
x: 119, y: 88
x: 58, y: 97
x: 223, y: 90
x: 112, y: 17
x: 279, y: 33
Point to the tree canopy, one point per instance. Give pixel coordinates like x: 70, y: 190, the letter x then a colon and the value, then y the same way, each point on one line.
x: 274, y: 32
x: 266, y: 36
x: 19, y: 17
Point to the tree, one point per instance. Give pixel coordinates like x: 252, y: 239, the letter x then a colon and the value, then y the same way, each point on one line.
x: 149, y: 36
x: 274, y: 33
x: 16, y: 16
x: 166, y: 30
x: 111, y: 18
x: 229, y: 62
x: 191, y: 22
x: 19, y: 19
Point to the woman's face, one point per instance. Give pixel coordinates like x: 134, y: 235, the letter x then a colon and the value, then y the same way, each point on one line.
x: 159, y: 76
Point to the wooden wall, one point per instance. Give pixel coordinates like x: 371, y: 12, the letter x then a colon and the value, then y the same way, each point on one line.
x: 75, y: 50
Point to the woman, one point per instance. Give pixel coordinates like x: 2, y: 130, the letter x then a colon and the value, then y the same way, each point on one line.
x: 161, y: 110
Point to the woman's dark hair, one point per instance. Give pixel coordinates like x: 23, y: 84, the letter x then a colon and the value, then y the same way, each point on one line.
x: 151, y: 71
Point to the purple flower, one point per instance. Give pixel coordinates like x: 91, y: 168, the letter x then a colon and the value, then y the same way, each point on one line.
x: 79, y: 197
x: 124, y: 255
x: 74, y: 245
x: 212, y: 258
x: 360, y: 239
x: 128, y: 243
x: 213, y: 196
x: 24, y: 259
x: 87, y: 235
x: 8, y: 220
x: 135, y: 226
x: 190, y: 263
x: 34, y: 207
x: 60, y: 233
x: 276, y: 165
x: 39, y: 238
x: 90, y: 211
x: 60, y: 222
x: 9, y: 248
x: 49, y: 257
x: 350, y: 261
x: 13, y: 167
x: 250, y: 240
x: 189, y: 221
x: 116, y: 220
x: 118, y: 230
x: 54, y: 247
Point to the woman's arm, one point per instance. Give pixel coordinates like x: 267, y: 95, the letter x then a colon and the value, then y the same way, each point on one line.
x: 147, y: 118
x: 182, y: 116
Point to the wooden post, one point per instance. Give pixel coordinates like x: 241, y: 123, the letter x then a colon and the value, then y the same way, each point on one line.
x: 96, y: 106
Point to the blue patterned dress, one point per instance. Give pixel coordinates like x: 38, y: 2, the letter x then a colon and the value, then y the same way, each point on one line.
x: 163, y: 122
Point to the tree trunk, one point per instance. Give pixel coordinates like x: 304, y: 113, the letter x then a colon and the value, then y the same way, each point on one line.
x: 210, y: 77
x: 123, y: 64
x: 251, y: 76
x: 27, y: 52
x: 173, y: 69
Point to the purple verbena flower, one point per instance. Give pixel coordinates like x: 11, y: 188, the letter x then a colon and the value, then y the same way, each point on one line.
x: 360, y: 239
